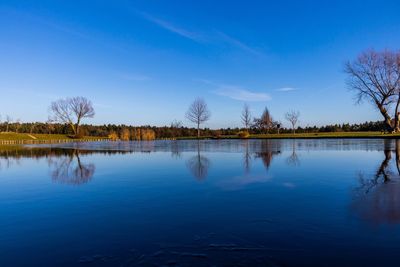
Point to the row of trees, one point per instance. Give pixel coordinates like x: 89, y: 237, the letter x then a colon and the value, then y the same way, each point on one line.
x: 198, y: 113
x: 266, y: 123
x: 173, y: 131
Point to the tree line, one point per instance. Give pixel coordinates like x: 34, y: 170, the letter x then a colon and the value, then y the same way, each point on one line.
x: 146, y: 132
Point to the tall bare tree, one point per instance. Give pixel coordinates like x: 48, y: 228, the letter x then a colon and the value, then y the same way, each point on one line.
x: 71, y: 111
x: 198, y: 113
x: 8, y: 122
x: 265, y: 122
x: 246, y: 116
x: 292, y: 117
x: 375, y: 77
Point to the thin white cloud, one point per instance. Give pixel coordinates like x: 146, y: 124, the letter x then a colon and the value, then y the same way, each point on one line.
x: 236, y: 92
x: 286, y: 89
x: 201, y: 38
x: 173, y: 28
x: 242, y: 94
x: 239, y: 44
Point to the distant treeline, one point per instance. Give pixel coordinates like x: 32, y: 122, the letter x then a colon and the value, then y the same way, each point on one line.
x: 126, y: 132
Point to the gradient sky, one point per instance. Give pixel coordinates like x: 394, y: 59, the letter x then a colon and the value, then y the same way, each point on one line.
x: 143, y: 62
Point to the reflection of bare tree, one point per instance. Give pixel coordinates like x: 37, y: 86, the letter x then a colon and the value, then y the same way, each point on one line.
x: 9, y: 157
x: 247, y: 157
x: 69, y: 169
x: 198, y: 164
x: 293, y: 159
x: 378, y: 198
x: 269, y: 149
x: 175, y: 150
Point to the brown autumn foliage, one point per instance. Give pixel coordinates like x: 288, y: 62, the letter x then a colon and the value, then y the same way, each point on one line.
x: 125, y: 135
x: 113, y: 136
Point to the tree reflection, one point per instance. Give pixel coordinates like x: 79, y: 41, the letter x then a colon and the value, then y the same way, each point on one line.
x: 378, y: 198
x: 65, y: 165
x: 198, y: 165
x: 268, y: 149
x: 293, y: 159
x: 69, y: 169
x: 247, y: 157
x: 175, y: 149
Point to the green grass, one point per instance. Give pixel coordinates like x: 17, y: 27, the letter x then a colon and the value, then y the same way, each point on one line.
x: 39, y: 137
x: 329, y: 135
x: 307, y: 135
x: 53, y: 137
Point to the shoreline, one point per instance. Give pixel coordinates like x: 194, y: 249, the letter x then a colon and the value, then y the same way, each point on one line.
x: 55, y: 139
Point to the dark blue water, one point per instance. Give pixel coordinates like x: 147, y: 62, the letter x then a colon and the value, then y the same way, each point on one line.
x: 207, y: 203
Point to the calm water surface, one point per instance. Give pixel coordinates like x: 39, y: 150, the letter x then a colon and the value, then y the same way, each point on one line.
x: 207, y: 203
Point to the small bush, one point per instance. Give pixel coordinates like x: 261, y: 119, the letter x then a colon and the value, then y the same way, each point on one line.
x: 216, y: 134
x: 243, y: 134
x: 113, y: 136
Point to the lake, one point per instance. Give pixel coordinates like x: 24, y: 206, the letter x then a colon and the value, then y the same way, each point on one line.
x: 325, y: 202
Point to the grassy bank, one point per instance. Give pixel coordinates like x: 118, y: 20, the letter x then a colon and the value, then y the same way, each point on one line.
x: 307, y: 136
x: 21, y: 138
x: 43, y: 138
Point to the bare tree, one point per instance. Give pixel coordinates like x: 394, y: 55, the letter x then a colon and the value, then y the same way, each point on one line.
x: 198, y: 113
x: 8, y: 122
x: 71, y: 111
x: 375, y: 77
x: 292, y: 117
x: 176, y: 124
x: 266, y: 121
x: 246, y: 116
x: 17, y: 125
x: 50, y: 125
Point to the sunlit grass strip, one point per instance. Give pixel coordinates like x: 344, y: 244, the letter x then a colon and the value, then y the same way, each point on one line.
x: 22, y: 138
x: 304, y: 136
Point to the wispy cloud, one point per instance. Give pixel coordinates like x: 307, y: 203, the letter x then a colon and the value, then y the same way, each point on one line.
x: 214, y: 37
x: 236, y: 92
x: 239, y: 44
x: 134, y: 77
x: 173, y: 28
x: 286, y: 89
x: 242, y: 94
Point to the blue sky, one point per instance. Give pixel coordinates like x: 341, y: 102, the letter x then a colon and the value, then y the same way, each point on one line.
x: 143, y: 62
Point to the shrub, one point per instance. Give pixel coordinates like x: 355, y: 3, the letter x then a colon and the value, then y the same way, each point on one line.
x: 216, y: 134
x: 113, y: 136
x: 243, y: 134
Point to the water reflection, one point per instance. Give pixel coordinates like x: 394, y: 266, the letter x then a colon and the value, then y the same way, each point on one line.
x: 69, y: 168
x: 293, y: 159
x: 377, y: 198
x: 66, y: 165
x: 199, y: 164
x: 247, y: 157
x: 268, y: 150
x: 253, y: 219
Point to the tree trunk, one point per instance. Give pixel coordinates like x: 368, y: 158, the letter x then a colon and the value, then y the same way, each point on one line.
x: 388, y: 120
x: 77, y: 129
x: 398, y: 155
x: 73, y: 128
x: 198, y: 130
x: 396, y: 127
